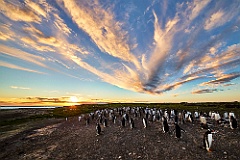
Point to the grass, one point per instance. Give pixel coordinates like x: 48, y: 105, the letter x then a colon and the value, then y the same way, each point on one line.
x: 18, y: 121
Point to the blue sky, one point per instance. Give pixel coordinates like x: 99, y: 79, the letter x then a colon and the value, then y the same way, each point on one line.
x: 66, y: 52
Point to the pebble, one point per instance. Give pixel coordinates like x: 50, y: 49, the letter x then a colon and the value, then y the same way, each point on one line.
x: 119, y: 157
x: 183, y: 148
x: 225, y: 152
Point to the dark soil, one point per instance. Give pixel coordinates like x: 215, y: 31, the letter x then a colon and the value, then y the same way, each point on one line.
x: 71, y: 139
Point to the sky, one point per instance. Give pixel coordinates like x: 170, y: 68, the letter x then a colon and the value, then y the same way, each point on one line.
x: 65, y: 52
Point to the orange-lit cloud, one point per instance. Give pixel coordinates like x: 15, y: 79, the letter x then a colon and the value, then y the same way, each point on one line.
x: 13, y: 66
x: 17, y: 13
x: 22, y: 55
x: 100, y: 25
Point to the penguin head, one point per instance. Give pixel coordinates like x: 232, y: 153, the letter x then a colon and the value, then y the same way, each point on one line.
x: 211, y: 130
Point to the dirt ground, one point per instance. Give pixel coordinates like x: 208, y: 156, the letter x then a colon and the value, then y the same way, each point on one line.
x: 73, y: 139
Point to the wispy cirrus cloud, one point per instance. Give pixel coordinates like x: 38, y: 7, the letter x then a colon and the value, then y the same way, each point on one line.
x: 16, y: 13
x: 203, y: 91
x: 22, y: 55
x: 5, y: 32
x: 221, y: 80
x: 18, y: 87
x: 36, y: 8
x: 103, y: 29
x: 13, y: 66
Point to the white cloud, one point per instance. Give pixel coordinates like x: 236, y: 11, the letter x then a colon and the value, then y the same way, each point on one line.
x: 13, y: 66
x: 22, y: 88
x: 215, y: 20
x: 17, y: 53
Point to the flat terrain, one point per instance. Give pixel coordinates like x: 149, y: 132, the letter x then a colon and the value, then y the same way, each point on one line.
x: 51, y: 138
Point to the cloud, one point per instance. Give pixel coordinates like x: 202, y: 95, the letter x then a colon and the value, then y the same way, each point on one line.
x: 215, y: 20
x: 59, y: 22
x: 163, y: 44
x: 120, y: 79
x: 211, y: 64
x: 203, y: 91
x: 22, y: 88
x: 223, y: 79
x: 36, y: 8
x: 229, y: 84
x: 100, y: 25
x: 196, y: 7
x: 5, y: 32
x: 37, y: 101
x: 164, y: 88
x: 13, y: 66
x: 16, y: 13
x: 221, y: 16
x: 17, y: 53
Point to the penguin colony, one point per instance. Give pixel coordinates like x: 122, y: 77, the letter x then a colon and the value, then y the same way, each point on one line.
x: 125, y: 117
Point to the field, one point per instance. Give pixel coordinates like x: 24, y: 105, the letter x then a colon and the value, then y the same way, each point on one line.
x: 58, y: 134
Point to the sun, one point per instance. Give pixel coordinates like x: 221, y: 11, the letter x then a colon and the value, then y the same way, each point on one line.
x: 73, y: 99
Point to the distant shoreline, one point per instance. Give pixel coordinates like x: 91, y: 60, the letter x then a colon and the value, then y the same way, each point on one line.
x: 29, y: 107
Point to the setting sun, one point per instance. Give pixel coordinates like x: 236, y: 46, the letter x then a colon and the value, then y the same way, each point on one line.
x: 73, y: 99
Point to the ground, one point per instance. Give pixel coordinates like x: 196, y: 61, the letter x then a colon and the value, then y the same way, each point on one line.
x: 71, y: 139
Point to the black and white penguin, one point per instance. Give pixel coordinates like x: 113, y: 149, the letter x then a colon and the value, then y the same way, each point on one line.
x: 165, y: 125
x: 87, y: 120
x: 233, y: 123
x: 131, y: 123
x: 176, y: 119
x: 190, y: 118
x: 105, y: 122
x: 123, y: 122
x: 98, y: 129
x: 144, y: 122
x: 178, y: 130
x: 114, y: 119
x: 203, y: 122
x: 207, y: 139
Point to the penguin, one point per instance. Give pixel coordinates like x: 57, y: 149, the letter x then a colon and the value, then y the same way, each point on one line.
x: 87, y: 121
x: 207, y: 139
x: 123, y: 122
x: 114, y: 119
x: 144, y: 123
x: 165, y: 125
x: 98, y: 129
x: 233, y: 123
x: 190, y: 118
x: 176, y: 119
x: 79, y: 118
x: 131, y: 123
x: 105, y: 122
x: 203, y: 122
x: 178, y: 130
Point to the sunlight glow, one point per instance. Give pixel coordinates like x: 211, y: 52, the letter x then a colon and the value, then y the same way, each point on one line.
x: 73, y: 99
